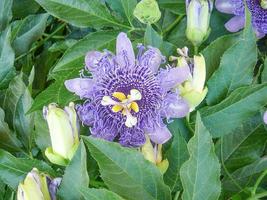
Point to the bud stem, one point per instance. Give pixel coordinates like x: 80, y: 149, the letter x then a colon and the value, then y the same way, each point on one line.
x: 195, y: 50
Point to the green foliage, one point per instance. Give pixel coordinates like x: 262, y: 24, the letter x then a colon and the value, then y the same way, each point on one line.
x: 120, y: 167
x: 200, y: 175
x: 75, y: 172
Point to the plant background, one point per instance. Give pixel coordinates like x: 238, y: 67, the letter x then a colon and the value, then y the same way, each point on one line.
x: 43, y: 43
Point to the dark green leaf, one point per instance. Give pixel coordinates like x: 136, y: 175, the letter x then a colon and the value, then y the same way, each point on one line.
x: 264, y: 72
x: 13, y: 170
x: 31, y: 8
x: 30, y: 30
x: 76, y: 172
x: 99, y: 194
x: 175, y: 6
x: 56, y: 93
x: 124, y: 7
x: 81, y: 13
x: 242, y: 104
x: 7, y: 57
x: 245, y: 176
x: 8, y: 140
x: 177, y: 154
x: 200, y: 175
x: 126, y: 172
x: 236, y: 68
x: 215, y: 50
x: 5, y: 13
x: 41, y: 131
x: 244, y: 146
x: 16, y: 103
x: 152, y: 37
x: 73, y: 59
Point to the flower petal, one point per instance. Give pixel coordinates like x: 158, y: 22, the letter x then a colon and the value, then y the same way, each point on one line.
x: 53, y: 186
x: 225, y: 6
x: 169, y: 78
x: 265, y: 117
x: 152, y: 59
x: 160, y: 135
x: 80, y: 86
x: 124, y: 51
x: 235, y: 24
x: 174, y: 106
x: 92, y: 59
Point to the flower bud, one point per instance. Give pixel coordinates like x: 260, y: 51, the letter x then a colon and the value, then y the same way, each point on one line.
x: 264, y: 4
x: 193, y: 90
x: 147, y: 11
x: 198, y: 19
x: 63, y: 128
x: 36, y: 186
x: 154, y: 155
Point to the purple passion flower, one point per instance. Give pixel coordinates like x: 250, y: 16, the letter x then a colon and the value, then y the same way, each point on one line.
x: 236, y: 7
x: 127, y: 96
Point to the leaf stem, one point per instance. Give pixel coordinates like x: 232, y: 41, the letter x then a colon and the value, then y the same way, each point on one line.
x: 42, y: 42
x: 253, y: 192
x: 177, y: 194
x: 257, y: 196
x: 172, y: 25
x: 195, y: 50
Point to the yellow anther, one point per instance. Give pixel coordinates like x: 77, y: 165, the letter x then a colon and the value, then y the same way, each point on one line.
x: 119, y: 95
x: 117, y: 108
x: 135, y: 107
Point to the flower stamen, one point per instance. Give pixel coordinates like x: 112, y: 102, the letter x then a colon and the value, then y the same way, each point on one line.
x: 125, y: 105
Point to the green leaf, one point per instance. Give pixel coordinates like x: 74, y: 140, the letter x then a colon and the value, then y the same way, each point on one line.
x: 124, y: 7
x: 75, y: 173
x: 7, y: 57
x: 215, y: 50
x: 126, y: 172
x: 5, y: 13
x: 31, y: 8
x: 177, y: 36
x: 245, y: 176
x: 242, y: 104
x: 41, y: 131
x: 30, y: 29
x: 13, y: 170
x: 264, y: 72
x: 245, y: 145
x: 175, y: 6
x: 236, y: 68
x: 177, y: 154
x: 73, y: 58
x: 55, y: 93
x: 99, y: 194
x: 200, y: 175
x: 81, y: 13
x: 16, y: 103
x: 152, y: 37
x: 8, y: 139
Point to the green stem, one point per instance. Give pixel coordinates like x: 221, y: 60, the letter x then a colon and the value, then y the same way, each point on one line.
x: 177, y: 194
x: 42, y: 42
x: 172, y: 25
x: 55, y: 36
x: 195, y: 50
x: 253, y: 192
x: 257, y: 196
x: 226, y: 170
